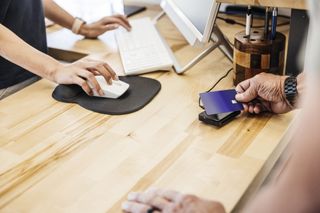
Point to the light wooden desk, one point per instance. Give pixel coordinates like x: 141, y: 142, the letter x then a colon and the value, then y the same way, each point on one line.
x: 58, y: 157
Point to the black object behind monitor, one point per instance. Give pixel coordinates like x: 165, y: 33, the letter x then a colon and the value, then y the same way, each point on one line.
x: 297, y: 41
x: 130, y: 10
x: 242, y: 10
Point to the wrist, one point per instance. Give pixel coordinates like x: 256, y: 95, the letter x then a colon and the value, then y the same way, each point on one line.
x: 84, y: 30
x: 300, y: 82
x: 282, y: 89
x: 52, y: 71
x: 77, y: 25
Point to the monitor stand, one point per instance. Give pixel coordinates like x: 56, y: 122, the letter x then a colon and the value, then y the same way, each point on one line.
x: 218, y: 41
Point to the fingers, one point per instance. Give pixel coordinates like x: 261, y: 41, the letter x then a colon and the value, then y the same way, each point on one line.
x: 162, y: 200
x: 266, y: 106
x: 92, y: 82
x: 83, y: 84
x: 154, y: 200
x: 246, y: 91
x: 110, y: 27
x: 243, y: 86
x: 105, y: 24
x: 257, y: 108
x: 94, y: 72
x: 135, y: 207
x: 117, y: 19
x: 83, y: 74
x: 253, y: 108
x: 111, y: 71
x: 98, y: 67
x: 124, y: 19
x: 245, y: 107
x: 150, y: 198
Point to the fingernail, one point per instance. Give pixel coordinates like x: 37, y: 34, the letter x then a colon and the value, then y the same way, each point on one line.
x: 125, y: 205
x: 132, y: 196
x: 101, y: 93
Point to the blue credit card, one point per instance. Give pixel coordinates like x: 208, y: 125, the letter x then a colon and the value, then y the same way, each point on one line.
x: 222, y: 101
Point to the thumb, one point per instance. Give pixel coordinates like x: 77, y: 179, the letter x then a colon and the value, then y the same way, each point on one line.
x: 248, y: 95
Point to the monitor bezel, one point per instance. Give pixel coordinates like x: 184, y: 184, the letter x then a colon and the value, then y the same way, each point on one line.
x: 168, y: 6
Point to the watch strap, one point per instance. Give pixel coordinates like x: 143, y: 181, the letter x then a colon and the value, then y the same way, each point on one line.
x: 290, y: 90
x: 76, y: 26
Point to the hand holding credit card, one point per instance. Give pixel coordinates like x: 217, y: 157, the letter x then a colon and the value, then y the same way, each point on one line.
x: 222, y: 101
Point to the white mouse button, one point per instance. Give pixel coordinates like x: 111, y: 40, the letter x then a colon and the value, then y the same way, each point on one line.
x: 115, y: 90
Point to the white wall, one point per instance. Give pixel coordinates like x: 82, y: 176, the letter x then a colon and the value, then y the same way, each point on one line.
x: 91, y: 10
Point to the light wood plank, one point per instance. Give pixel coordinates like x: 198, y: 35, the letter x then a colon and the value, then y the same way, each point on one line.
x: 58, y: 157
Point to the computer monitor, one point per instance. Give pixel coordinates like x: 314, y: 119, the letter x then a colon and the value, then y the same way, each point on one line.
x: 194, y: 19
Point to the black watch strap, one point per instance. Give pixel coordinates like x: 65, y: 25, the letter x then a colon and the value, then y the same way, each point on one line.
x: 290, y: 90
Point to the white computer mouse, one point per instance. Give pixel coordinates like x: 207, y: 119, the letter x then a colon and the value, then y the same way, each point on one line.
x: 114, y: 91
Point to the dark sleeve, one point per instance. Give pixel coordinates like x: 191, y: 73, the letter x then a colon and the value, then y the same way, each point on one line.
x: 4, y: 5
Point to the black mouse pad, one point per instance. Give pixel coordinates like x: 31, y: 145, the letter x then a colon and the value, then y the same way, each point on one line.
x: 140, y: 93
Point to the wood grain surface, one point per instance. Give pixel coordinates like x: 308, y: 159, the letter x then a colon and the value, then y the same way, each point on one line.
x: 58, y: 157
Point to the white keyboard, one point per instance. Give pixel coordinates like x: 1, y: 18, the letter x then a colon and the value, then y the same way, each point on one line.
x: 142, y: 50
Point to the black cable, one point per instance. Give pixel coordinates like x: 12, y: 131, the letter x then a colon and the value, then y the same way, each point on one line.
x: 284, y: 16
x: 231, y: 21
x: 215, y: 84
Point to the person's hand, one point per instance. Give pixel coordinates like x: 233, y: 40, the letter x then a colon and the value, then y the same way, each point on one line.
x: 156, y: 200
x: 263, y: 92
x: 105, y: 24
x: 83, y: 74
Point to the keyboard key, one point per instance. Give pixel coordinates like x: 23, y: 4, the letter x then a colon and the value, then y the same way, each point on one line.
x: 142, y: 49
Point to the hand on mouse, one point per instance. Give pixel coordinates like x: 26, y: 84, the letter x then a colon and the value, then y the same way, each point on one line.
x: 105, y: 24
x: 83, y: 73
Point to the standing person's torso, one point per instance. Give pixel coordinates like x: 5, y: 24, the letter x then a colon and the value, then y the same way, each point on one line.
x: 25, y: 18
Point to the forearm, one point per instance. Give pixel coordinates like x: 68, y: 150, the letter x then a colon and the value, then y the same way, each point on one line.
x: 275, y: 200
x: 297, y: 189
x: 17, y: 51
x: 58, y: 15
